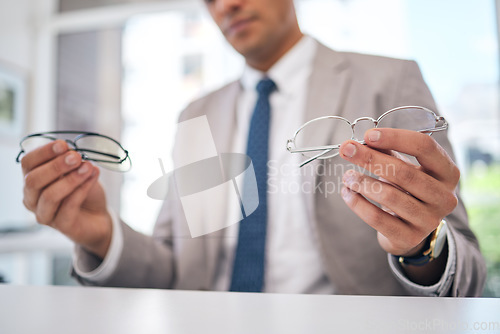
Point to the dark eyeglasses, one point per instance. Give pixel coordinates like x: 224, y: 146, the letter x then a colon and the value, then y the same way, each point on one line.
x: 103, y: 150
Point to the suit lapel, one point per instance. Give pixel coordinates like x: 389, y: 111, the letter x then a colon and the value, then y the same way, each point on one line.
x: 328, y: 84
x: 328, y: 89
x: 221, y: 116
x: 222, y: 120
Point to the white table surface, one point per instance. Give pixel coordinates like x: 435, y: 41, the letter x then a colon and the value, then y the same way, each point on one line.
x: 50, y: 309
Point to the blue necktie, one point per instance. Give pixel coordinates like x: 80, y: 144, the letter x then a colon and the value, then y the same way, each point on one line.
x: 248, y: 269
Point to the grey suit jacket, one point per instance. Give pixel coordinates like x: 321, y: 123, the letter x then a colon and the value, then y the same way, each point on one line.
x: 346, y: 84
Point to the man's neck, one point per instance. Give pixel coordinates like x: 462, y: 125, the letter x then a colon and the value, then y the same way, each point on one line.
x: 265, y: 61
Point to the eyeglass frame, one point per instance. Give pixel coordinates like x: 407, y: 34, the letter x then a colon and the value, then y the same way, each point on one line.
x: 74, y: 145
x: 328, y: 148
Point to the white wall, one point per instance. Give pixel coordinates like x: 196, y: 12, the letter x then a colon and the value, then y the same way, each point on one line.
x: 21, y: 31
x: 16, y: 33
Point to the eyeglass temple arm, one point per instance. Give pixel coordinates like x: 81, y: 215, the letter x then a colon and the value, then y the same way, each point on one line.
x: 442, y: 127
x: 324, y: 150
x: 86, y: 150
x: 314, y: 157
x: 100, y: 153
x: 309, y: 149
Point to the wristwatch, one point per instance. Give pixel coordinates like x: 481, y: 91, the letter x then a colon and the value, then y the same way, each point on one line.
x: 432, y: 249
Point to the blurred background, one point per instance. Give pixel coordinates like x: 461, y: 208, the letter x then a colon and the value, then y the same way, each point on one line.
x: 126, y: 68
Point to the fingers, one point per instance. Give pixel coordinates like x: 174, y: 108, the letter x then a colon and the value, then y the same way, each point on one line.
x: 42, y: 155
x: 412, y: 179
x: 69, y: 207
x: 432, y: 157
x: 53, y: 175
x: 53, y: 195
x: 415, y: 198
x: 63, y: 192
x: 42, y: 176
x: 400, y: 237
x: 395, y: 201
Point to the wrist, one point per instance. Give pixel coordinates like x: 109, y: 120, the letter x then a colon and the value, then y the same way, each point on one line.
x: 429, y: 249
x: 418, y: 250
x: 102, y: 238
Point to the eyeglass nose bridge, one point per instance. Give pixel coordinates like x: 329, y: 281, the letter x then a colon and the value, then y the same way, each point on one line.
x: 74, y: 147
x: 373, y: 121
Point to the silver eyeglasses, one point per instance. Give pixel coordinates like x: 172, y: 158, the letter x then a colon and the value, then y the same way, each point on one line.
x: 319, y: 138
x: 103, y: 150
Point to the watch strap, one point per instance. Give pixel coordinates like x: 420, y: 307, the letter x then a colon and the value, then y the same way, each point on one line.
x: 418, y: 260
x: 428, y: 254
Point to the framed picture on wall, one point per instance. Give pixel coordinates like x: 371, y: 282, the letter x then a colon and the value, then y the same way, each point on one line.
x: 12, y: 101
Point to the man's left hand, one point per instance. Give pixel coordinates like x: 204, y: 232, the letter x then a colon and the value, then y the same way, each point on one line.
x: 414, y: 198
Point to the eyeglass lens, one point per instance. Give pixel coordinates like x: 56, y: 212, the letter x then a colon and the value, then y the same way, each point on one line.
x: 332, y: 131
x: 104, y: 151
x: 329, y: 130
x: 414, y: 119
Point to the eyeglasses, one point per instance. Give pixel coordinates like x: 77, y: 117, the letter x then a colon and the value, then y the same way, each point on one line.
x: 103, y: 150
x: 319, y: 138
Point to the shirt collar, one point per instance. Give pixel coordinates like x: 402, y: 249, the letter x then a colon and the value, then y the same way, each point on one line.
x: 285, y: 70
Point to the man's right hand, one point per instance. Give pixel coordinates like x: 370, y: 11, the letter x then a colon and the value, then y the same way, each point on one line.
x: 63, y: 192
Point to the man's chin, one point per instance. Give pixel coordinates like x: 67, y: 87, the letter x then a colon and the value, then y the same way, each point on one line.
x: 245, y: 45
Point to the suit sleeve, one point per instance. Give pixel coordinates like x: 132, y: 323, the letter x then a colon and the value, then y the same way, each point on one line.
x: 135, y: 260
x: 466, y: 269
x: 144, y: 261
x: 141, y: 261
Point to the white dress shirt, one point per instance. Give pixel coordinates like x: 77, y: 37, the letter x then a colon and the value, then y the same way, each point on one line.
x: 292, y: 258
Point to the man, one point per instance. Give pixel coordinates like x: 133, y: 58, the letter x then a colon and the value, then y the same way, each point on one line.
x: 315, y: 243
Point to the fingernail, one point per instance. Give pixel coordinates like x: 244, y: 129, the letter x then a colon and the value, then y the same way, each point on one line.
x: 349, y: 150
x: 346, y: 194
x: 349, y: 177
x: 84, y: 169
x: 374, y: 135
x: 58, y: 148
x: 71, y: 159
